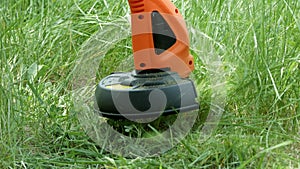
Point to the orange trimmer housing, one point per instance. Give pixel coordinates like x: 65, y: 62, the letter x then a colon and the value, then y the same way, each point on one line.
x: 156, y: 22
x: 159, y: 85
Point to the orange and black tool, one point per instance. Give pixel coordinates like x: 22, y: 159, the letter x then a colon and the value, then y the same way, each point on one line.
x: 159, y: 85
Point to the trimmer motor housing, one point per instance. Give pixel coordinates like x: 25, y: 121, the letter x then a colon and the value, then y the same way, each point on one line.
x: 159, y: 84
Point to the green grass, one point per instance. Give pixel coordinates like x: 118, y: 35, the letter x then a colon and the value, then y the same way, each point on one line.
x: 258, y: 42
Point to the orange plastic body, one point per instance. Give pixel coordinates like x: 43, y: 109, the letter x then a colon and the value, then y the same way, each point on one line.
x: 177, y: 58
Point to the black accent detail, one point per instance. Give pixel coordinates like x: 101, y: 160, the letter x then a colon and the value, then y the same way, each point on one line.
x: 163, y: 36
x: 142, y: 64
x: 151, y: 71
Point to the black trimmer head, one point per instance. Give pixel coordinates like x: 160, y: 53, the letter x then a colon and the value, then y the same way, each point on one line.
x: 144, y: 95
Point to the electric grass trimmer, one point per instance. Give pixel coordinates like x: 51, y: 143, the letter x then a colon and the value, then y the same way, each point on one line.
x: 160, y: 83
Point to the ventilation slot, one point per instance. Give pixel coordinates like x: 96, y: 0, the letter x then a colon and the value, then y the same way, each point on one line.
x: 137, y: 6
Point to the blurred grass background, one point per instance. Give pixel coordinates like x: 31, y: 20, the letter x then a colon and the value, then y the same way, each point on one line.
x: 260, y: 49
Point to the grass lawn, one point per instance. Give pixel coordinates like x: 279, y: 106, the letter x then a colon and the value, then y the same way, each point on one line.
x: 258, y: 42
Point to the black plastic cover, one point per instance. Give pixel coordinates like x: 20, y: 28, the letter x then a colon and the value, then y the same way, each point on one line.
x: 180, y: 95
